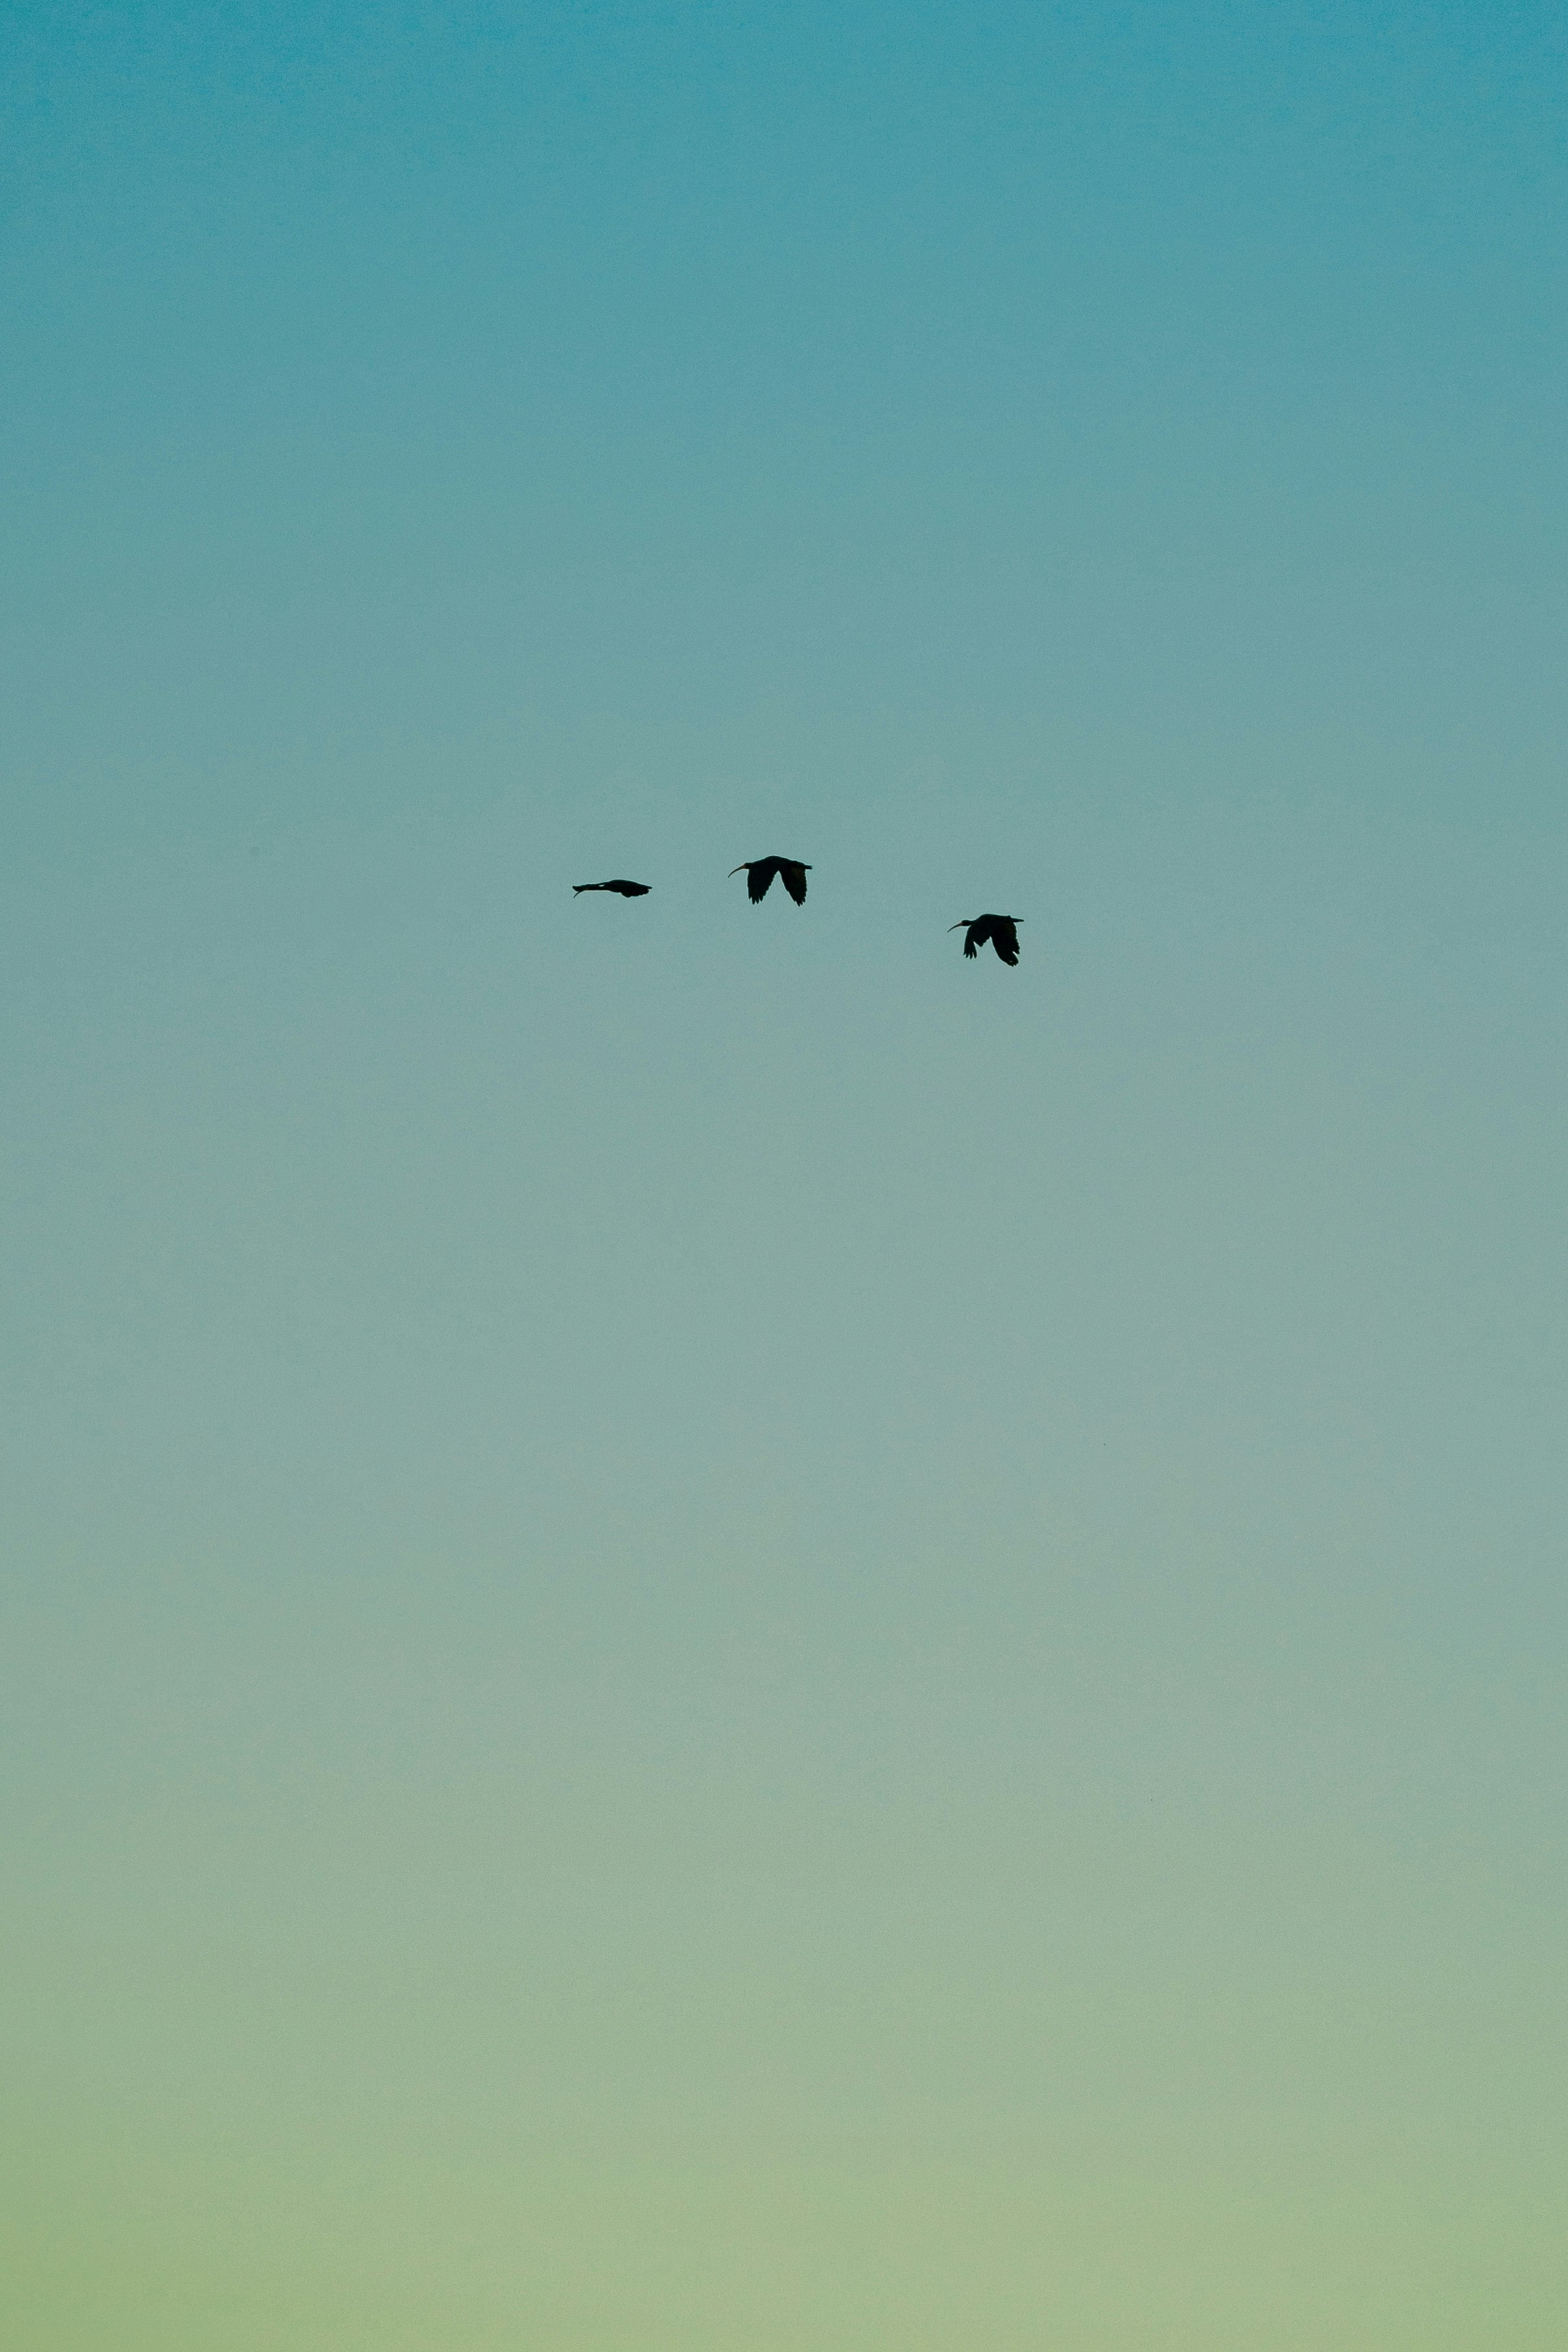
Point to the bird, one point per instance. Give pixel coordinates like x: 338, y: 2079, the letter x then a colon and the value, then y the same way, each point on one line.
x: 760, y: 871
x: 1000, y: 930
x: 626, y: 889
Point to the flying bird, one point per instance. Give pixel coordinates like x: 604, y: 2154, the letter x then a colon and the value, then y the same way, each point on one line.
x: 626, y: 889
x: 760, y: 871
x: 1000, y: 930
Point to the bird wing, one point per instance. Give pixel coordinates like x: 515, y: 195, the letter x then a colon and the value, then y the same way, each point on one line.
x: 759, y: 877
x: 792, y: 876
x: 973, y: 936
x: 630, y: 889
x: 1004, y: 937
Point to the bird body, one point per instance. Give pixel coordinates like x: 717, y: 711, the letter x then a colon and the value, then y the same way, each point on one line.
x: 626, y: 889
x: 760, y: 871
x: 1000, y: 930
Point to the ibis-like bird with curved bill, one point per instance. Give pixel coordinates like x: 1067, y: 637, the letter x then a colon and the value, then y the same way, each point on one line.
x: 760, y: 871
x: 1000, y: 930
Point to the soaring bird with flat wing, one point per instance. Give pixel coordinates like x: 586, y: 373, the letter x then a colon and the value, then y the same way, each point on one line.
x: 626, y: 889
x: 760, y: 871
x: 1000, y: 930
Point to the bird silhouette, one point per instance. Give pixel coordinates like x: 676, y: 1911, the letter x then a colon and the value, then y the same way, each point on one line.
x: 626, y: 889
x: 1000, y: 930
x: 760, y: 871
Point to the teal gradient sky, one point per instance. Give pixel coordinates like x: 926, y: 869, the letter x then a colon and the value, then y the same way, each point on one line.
x: 718, y: 1635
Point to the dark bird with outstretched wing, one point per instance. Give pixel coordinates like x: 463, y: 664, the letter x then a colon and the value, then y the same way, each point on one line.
x: 626, y: 889
x: 760, y: 871
x: 1000, y: 930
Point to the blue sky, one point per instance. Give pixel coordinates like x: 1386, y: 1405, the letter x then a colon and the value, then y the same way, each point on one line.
x: 718, y: 1631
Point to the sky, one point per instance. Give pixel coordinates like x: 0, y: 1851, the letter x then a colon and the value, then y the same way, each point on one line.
x: 719, y: 1634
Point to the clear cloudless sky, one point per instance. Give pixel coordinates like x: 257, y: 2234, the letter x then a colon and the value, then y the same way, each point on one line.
x: 718, y: 1634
